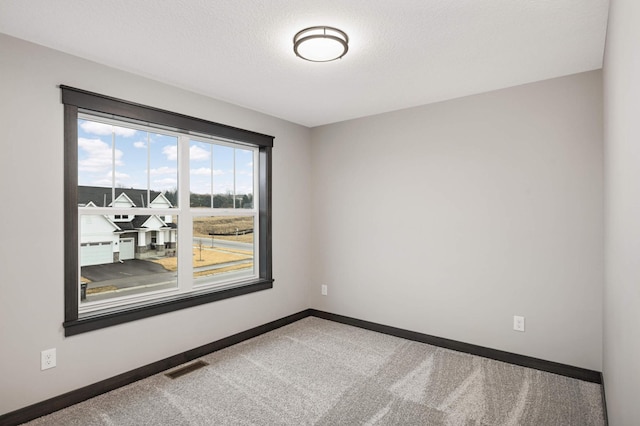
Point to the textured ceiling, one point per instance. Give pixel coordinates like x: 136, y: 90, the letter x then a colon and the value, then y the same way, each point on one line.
x: 401, y: 53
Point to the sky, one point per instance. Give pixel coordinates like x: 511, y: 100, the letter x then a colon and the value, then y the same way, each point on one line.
x: 140, y: 159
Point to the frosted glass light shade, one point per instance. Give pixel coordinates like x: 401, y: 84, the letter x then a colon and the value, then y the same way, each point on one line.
x: 320, y: 44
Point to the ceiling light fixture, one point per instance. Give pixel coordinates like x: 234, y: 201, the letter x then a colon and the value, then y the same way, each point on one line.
x: 321, y: 44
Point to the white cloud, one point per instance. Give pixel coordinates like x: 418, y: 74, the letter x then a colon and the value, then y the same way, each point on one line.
x: 120, y: 175
x: 163, y: 171
x: 122, y: 179
x: 195, y: 153
x: 164, y: 184
x: 99, y: 155
x: 123, y: 131
x: 200, y: 187
x: 206, y: 171
x: 140, y: 144
x: 171, y: 151
x: 223, y: 188
x: 202, y: 171
x: 198, y: 154
x: 106, y: 129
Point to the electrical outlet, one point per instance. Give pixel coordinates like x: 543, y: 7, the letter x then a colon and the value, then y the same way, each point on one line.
x: 324, y: 289
x: 518, y: 323
x: 48, y: 359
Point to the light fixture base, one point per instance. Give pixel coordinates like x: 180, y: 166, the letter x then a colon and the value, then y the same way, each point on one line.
x: 320, y: 44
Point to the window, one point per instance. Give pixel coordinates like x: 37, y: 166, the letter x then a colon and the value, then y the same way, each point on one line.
x: 162, y: 211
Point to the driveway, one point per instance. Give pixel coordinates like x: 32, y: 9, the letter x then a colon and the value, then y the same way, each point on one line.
x: 127, y: 269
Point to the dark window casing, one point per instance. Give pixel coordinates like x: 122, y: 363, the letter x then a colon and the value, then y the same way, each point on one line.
x: 75, y: 100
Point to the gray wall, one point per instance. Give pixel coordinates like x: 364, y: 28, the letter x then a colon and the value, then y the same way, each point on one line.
x: 31, y: 276
x: 446, y: 219
x: 622, y: 214
x: 450, y: 218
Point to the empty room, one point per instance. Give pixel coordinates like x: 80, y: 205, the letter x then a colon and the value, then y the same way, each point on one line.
x: 320, y: 212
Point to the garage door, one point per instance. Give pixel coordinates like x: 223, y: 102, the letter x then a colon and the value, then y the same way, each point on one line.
x: 127, y: 249
x: 96, y: 253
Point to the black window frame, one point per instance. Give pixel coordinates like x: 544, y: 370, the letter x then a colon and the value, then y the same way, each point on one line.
x: 76, y: 100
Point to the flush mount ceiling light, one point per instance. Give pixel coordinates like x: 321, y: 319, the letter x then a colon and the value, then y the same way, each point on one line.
x: 320, y: 44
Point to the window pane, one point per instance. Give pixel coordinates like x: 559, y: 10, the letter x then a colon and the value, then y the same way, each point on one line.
x: 117, y: 260
x: 223, y: 180
x: 223, y: 249
x: 119, y: 157
x: 244, y: 178
x: 201, y: 174
x: 96, y: 156
x: 220, y: 176
x: 130, y: 161
x: 163, y: 169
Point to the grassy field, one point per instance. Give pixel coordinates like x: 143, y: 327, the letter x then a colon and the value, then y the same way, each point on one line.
x: 224, y: 225
x: 225, y: 269
x: 102, y: 289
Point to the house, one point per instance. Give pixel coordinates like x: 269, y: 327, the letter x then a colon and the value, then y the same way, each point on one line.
x: 446, y: 217
x: 116, y: 238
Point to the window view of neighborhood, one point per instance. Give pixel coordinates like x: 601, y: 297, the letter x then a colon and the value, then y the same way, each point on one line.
x: 118, y: 252
x: 130, y: 249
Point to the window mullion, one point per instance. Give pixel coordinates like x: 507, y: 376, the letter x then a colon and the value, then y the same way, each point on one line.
x: 212, y: 173
x: 113, y: 165
x: 185, y: 219
x: 256, y: 209
x: 148, y: 169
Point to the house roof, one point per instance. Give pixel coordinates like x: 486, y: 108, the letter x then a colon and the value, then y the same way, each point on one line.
x: 97, y: 196
x: 139, y: 221
x: 101, y: 196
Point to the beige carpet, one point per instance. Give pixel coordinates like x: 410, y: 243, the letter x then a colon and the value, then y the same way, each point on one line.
x: 318, y: 372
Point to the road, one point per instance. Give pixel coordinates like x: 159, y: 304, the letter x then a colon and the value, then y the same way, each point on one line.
x: 125, y: 270
x: 159, y: 281
x: 140, y: 276
x: 206, y: 242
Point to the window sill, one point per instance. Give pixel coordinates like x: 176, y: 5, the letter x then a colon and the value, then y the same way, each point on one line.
x: 96, y: 321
